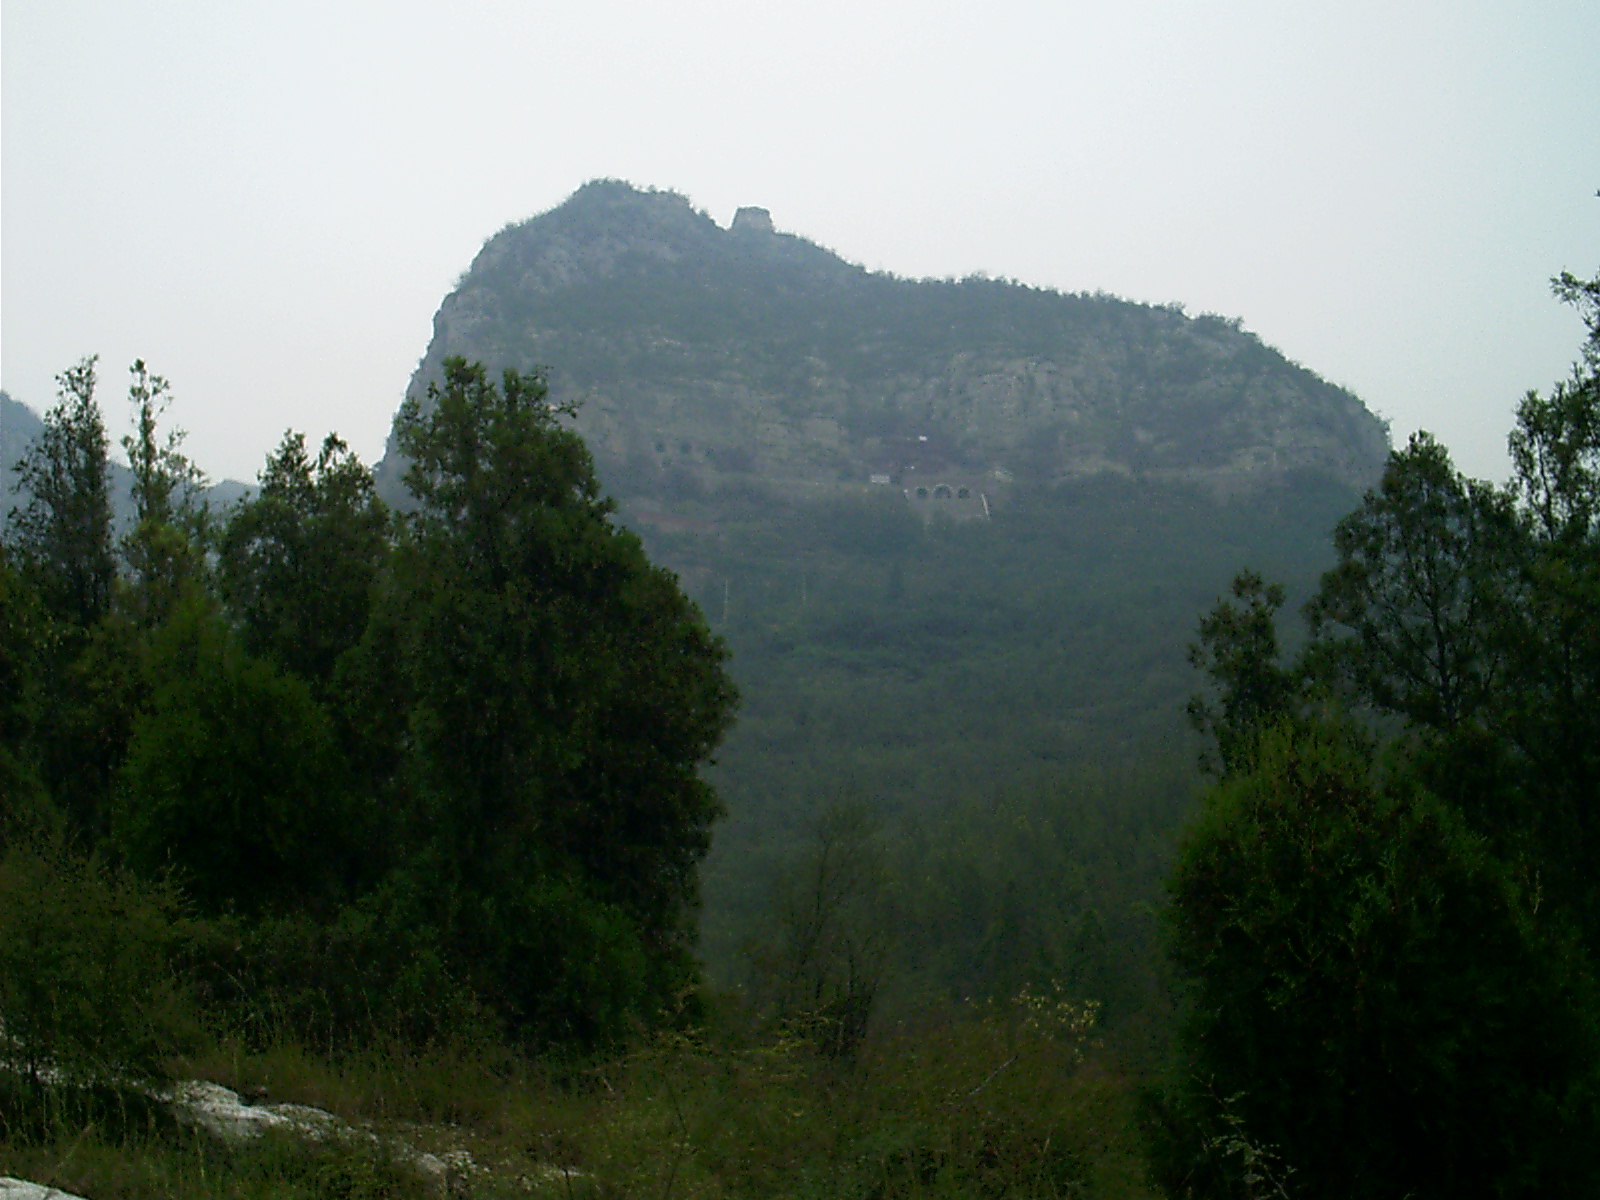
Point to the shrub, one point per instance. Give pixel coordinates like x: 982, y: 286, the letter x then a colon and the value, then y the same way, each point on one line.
x: 87, y: 993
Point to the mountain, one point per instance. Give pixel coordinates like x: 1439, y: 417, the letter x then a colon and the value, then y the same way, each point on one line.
x: 699, y: 355
x: 957, y: 535
x: 19, y: 425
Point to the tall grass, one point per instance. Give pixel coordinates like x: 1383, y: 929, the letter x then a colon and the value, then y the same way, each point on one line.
x: 975, y: 1102
x: 994, y: 1100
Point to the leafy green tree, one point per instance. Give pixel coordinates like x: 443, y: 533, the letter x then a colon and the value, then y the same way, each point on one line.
x: 1238, y: 652
x: 1467, y: 611
x: 561, y: 696
x: 232, y: 778
x: 164, y: 551
x: 64, y: 558
x: 1419, y: 625
x: 62, y: 535
x: 1373, y: 992
x: 1367, y: 950
x: 1413, y: 609
x: 23, y: 656
x: 1555, y: 456
x: 1552, y: 697
x: 298, y: 563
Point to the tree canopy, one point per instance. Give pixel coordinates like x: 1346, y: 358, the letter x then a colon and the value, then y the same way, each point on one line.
x: 464, y: 744
x: 1385, y: 909
x: 560, y: 692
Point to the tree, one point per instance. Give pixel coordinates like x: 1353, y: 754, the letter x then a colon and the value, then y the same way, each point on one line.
x: 1467, y: 610
x: 298, y: 563
x: 1555, y: 457
x: 23, y: 642
x: 1374, y: 993
x: 1553, y: 692
x: 63, y: 532
x: 560, y: 693
x: 232, y: 779
x: 1413, y: 608
x: 64, y: 561
x: 86, y: 978
x: 163, y: 551
x: 1377, y: 926
x: 1238, y: 652
x: 831, y: 942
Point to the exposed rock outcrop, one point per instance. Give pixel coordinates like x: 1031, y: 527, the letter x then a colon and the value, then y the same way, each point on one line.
x: 702, y: 353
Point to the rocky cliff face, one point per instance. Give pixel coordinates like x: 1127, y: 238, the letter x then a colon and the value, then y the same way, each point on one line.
x: 699, y: 355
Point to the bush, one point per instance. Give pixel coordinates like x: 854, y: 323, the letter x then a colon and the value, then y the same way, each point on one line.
x: 1374, y: 996
x: 87, y: 993
x: 367, y: 975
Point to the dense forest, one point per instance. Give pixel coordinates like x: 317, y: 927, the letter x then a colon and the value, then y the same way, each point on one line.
x: 1385, y: 913
x: 405, y: 811
x: 454, y: 753
x: 768, y: 416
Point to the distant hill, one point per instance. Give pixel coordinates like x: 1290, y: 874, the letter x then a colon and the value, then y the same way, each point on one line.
x: 787, y: 431
x: 19, y: 425
x: 705, y: 355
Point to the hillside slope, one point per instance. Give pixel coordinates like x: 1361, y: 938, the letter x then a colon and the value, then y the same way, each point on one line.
x: 698, y: 353
x: 788, y: 432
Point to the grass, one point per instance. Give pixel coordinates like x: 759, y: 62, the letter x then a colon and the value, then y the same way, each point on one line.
x: 975, y: 1103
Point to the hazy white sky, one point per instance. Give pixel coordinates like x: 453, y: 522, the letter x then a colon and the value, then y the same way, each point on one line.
x: 267, y: 201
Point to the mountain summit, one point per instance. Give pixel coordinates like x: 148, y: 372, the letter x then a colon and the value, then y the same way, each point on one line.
x: 698, y: 355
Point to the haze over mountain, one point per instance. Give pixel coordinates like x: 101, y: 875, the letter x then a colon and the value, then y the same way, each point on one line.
x: 19, y: 425
x: 789, y: 432
x: 694, y: 351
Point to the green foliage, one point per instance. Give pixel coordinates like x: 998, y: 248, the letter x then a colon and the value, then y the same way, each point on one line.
x: 975, y: 1103
x: 63, y: 533
x: 23, y: 655
x: 1427, y: 567
x: 1004, y: 696
x: 86, y: 988
x: 370, y: 973
x: 831, y: 936
x: 1555, y: 448
x: 1550, y: 706
x: 298, y: 563
x: 1393, y: 1012
x: 232, y: 779
x: 560, y: 696
x: 94, y: 697
x: 1238, y: 651
x: 984, y: 1101
x: 1393, y: 973
x: 1051, y: 884
x: 412, y: 774
x: 565, y: 966
x: 164, y: 550
x: 1467, y: 610
x: 129, y: 1148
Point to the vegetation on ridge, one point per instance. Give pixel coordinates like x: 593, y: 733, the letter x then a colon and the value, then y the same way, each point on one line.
x: 742, y: 356
x: 1386, y: 911
x: 403, y: 816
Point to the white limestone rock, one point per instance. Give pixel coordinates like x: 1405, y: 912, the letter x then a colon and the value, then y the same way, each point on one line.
x: 21, y: 1189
